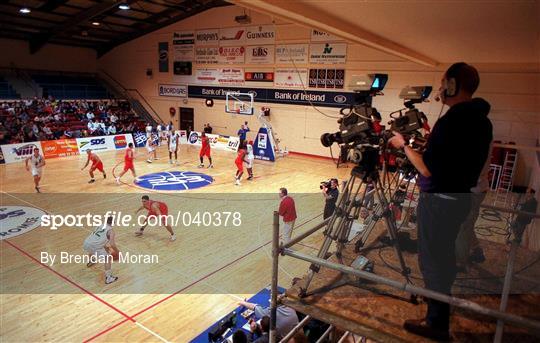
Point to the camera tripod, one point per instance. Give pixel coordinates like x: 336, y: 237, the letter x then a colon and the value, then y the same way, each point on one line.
x: 347, y: 211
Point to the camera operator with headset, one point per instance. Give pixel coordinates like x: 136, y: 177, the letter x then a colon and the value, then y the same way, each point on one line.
x: 450, y: 166
x: 330, y: 192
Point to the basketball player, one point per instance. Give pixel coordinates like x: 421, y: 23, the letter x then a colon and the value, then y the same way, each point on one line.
x: 96, y: 164
x: 151, y: 147
x: 249, y: 159
x: 128, y: 163
x: 205, y: 151
x: 95, y: 243
x: 36, y: 167
x: 239, y: 161
x: 160, y: 132
x: 155, y: 209
x: 172, y: 142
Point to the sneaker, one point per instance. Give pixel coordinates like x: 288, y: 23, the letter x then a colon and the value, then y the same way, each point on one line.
x: 91, y: 181
x: 155, y: 158
x: 175, y: 162
x: 421, y: 328
x: 201, y: 165
x: 170, y: 161
x: 139, y: 233
x: 37, y: 190
x: 149, y: 161
x: 237, y: 183
x: 173, y: 238
x: 117, y: 180
x: 90, y: 264
x: 211, y: 165
x: 110, y: 279
x: 250, y: 177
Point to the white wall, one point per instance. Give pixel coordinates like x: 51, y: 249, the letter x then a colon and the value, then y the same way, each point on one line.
x: 511, y: 88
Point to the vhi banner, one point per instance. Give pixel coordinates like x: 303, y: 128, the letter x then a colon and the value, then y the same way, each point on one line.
x: 20, y: 151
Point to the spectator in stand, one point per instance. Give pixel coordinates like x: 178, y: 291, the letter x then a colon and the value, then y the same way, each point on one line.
x: 68, y: 133
x: 113, y: 118
x: 48, y: 132
x: 92, y: 128
x: 102, y: 129
x: 207, y: 128
x: 121, y: 129
x: 111, y: 130
x: 286, y: 317
x: 90, y: 115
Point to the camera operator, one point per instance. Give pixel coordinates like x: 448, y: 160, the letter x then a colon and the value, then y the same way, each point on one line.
x: 330, y: 192
x: 450, y: 166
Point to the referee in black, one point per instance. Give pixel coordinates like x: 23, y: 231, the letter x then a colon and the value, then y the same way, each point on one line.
x: 450, y: 166
x: 331, y: 195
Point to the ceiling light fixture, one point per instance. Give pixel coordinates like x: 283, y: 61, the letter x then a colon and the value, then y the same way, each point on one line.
x: 96, y: 23
x: 25, y: 10
x: 123, y: 6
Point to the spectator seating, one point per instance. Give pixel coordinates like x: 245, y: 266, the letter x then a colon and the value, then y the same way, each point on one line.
x: 70, y: 87
x: 6, y: 91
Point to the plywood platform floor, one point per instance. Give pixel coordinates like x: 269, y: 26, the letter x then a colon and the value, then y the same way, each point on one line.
x: 378, y: 311
x: 203, y: 274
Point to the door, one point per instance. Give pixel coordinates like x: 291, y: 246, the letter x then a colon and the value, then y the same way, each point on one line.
x: 186, y: 119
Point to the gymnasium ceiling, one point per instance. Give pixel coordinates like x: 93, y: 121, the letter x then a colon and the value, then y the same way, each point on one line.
x: 100, y: 25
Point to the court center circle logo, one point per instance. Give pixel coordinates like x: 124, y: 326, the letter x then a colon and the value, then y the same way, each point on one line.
x: 18, y: 220
x: 173, y: 181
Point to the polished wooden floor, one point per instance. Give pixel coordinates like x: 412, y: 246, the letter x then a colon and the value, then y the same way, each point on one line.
x: 200, y: 277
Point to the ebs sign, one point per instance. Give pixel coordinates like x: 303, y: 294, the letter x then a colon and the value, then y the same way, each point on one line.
x: 173, y: 181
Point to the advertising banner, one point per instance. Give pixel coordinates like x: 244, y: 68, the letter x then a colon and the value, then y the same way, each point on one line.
x: 183, y: 44
x: 231, y: 76
x: 219, y: 142
x: 328, y: 53
x: 327, y: 78
x: 179, y: 91
x: 262, y: 147
x: 291, y: 78
x: 60, y: 148
x: 232, y: 36
x: 260, y: 54
x: 207, y: 76
x: 260, y: 34
x: 231, y: 54
x: 20, y: 151
x: 279, y: 96
x: 163, y: 53
x: 207, y: 37
x: 104, y: 143
x: 292, y: 53
x: 259, y: 76
x: 321, y: 36
x: 206, y: 55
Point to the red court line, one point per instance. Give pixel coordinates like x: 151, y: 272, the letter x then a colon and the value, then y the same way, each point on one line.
x: 188, y: 286
x: 69, y: 281
x: 105, y: 331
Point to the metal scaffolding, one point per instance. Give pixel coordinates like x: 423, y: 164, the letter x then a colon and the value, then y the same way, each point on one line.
x: 501, y: 315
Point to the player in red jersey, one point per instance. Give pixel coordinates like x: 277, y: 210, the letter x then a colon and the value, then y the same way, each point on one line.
x: 128, y: 163
x: 205, y: 151
x: 155, y: 209
x: 239, y: 161
x: 96, y: 164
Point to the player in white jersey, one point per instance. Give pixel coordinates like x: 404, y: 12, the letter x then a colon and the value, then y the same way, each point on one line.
x: 148, y: 130
x: 151, y: 147
x: 34, y: 164
x: 172, y: 142
x: 249, y: 159
x: 95, y: 244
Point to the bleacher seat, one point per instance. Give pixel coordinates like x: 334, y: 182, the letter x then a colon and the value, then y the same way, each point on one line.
x: 71, y: 87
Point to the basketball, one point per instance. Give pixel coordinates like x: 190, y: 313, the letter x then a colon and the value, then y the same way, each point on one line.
x: 114, y: 253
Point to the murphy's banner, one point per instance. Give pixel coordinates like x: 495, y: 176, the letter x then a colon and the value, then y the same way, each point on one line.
x: 278, y: 96
x: 163, y: 51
